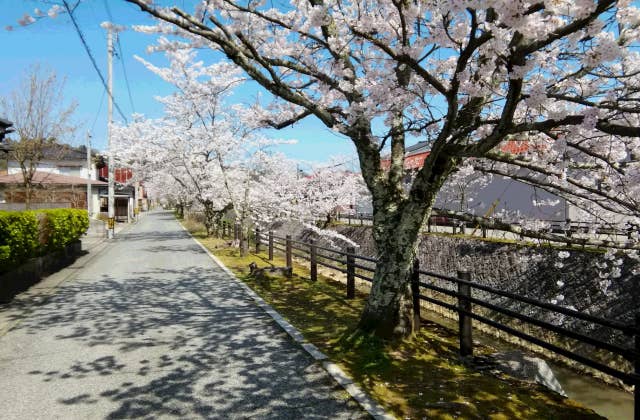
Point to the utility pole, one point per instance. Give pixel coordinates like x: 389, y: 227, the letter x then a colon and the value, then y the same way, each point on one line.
x: 111, y: 30
x: 111, y: 180
x: 89, y: 173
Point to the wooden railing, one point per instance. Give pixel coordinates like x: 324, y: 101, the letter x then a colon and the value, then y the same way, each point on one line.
x: 465, y: 304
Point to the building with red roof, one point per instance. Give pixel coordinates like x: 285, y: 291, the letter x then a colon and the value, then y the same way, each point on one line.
x: 49, y: 190
x: 500, y: 194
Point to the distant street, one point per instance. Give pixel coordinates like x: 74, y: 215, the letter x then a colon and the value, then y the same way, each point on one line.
x: 152, y: 328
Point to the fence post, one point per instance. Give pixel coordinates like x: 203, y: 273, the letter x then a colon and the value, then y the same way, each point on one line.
x: 288, y: 251
x: 484, y: 231
x: 415, y: 294
x: 361, y: 220
x: 313, y: 251
x: 258, y: 240
x: 429, y: 224
x: 270, y: 245
x: 464, y: 321
x: 351, y: 273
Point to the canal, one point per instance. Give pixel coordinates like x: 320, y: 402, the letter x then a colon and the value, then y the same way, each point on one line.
x: 607, y: 400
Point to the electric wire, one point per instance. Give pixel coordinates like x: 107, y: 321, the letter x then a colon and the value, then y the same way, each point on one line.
x: 121, y: 56
x: 93, y: 61
x: 95, y: 120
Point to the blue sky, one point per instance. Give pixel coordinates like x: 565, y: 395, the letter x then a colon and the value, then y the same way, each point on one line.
x: 54, y: 44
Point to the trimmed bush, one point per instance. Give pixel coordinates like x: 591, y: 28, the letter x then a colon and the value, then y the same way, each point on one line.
x: 28, y: 234
x: 19, y: 238
x: 62, y: 226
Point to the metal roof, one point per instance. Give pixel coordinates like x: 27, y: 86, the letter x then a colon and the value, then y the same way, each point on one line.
x: 419, y: 147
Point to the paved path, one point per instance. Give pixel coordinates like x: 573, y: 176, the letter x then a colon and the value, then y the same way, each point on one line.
x: 152, y: 328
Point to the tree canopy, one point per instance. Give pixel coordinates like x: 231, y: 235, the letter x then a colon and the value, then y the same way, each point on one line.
x: 559, y: 76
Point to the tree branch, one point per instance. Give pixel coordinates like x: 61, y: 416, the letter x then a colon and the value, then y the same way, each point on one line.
x: 491, y: 223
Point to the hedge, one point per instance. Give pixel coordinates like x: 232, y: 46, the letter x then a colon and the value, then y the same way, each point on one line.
x: 28, y: 234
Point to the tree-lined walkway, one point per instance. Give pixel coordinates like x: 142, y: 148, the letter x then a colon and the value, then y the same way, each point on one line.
x: 153, y: 328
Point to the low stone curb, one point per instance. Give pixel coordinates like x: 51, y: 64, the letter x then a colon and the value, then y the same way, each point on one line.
x: 374, y: 409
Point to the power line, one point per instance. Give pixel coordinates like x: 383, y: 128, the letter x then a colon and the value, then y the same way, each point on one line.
x: 93, y: 61
x: 99, y: 109
x: 121, y: 55
x: 124, y: 71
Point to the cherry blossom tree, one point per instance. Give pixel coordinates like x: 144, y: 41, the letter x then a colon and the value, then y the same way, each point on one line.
x: 52, y: 12
x: 559, y: 76
x: 215, y: 153
x: 168, y: 192
x: 321, y: 190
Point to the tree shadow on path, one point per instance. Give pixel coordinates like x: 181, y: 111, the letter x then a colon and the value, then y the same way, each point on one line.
x: 194, y: 346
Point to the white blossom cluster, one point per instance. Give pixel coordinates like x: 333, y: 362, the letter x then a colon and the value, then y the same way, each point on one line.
x: 210, y: 155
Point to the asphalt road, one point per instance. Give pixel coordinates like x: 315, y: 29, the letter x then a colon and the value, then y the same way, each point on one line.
x: 152, y: 328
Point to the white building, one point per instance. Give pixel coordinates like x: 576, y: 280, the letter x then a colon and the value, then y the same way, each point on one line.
x: 67, y: 161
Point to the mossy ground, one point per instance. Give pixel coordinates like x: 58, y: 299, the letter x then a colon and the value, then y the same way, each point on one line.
x: 420, y: 377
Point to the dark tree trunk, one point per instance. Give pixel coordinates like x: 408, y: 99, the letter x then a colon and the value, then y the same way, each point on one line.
x: 180, y: 210
x: 28, y: 193
x: 328, y: 221
x: 398, y: 223
x: 388, y: 312
x: 209, y: 217
x: 243, y: 239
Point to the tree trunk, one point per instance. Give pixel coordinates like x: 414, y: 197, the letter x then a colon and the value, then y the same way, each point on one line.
x: 243, y: 238
x: 244, y: 244
x: 388, y: 312
x: 209, y: 217
x: 328, y: 221
x: 28, y: 192
x: 398, y: 224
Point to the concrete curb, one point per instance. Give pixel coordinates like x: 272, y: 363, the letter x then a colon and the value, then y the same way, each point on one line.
x: 374, y: 409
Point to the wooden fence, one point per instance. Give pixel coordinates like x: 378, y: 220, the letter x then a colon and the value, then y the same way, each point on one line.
x: 465, y: 304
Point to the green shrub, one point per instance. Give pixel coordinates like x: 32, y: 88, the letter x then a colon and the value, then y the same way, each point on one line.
x: 27, y: 234
x: 19, y: 238
x: 60, y: 227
